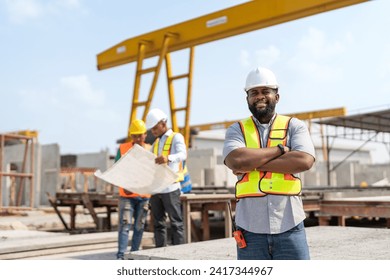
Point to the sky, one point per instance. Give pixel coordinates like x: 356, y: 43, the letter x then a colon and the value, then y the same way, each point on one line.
x: 50, y: 82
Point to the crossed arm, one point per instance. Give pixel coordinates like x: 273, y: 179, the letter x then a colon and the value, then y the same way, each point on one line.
x: 244, y: 160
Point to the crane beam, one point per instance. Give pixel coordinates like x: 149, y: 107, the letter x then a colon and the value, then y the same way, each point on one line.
x: 225, y: 23
x: 318, y: 114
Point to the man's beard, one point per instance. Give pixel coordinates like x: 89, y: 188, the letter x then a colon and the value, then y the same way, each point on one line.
x: 260, y: 114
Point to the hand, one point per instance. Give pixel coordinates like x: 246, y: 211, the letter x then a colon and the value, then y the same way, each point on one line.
x: 127, y: 192
x: 241, y: 172
x: 161, y: 160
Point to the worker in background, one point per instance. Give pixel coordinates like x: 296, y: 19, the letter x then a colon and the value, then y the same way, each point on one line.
x: 266, y: 151
x: 132, y: 205
x: 170, y: 149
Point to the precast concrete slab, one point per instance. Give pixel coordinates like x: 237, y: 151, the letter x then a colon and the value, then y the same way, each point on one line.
x: 41, y: 245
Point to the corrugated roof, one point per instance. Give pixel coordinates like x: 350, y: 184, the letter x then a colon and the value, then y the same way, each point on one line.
x: 378, y: 121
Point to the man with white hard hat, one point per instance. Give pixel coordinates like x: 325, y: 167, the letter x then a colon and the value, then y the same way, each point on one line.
x: 267, y: 151
x: 170, y: 149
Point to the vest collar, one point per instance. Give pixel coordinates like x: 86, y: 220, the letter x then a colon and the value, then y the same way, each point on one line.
x: 264, y: 125
x: 166, y: 134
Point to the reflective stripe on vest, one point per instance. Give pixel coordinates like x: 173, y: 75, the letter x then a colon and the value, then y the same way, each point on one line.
x: 123, y: 148
x: 257, y: 183
x: 166, y: 151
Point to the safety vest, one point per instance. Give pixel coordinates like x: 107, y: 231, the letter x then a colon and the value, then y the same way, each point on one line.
x: 258, y: 183
x: 166, y: 151
x: 123, y: 148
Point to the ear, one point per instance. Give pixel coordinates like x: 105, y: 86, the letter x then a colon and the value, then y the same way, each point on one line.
x: 277, y: 96
x: 165, y: 125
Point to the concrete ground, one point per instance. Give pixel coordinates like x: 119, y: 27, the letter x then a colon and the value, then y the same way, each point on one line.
x: 325, y: 242
x: 25, y: 233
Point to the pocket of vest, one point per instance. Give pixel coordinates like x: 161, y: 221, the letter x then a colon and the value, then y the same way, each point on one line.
x: 280, y: 184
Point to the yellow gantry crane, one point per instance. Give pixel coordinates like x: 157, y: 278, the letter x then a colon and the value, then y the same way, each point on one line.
x: 318, y: 114
x: 232, y: 21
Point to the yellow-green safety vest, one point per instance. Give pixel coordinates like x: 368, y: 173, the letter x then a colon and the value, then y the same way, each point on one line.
x: 258, y: 183
x: 166, y: 150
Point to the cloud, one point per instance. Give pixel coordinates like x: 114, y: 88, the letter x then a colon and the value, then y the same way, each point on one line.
x: 316, y: 46
x: 73, y: 98
x: 383, y: 73
x: 22, y: 11
x: 81, y: 90
x: 265, y: 57
x: 71, y: 113
x: 35, y: 101
x: 384, y: 67
x: 70, y: 4
x: 316, y: 56
x: 244, y: 58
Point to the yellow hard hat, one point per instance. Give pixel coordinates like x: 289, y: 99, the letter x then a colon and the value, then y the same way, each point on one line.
x: 137, y: 127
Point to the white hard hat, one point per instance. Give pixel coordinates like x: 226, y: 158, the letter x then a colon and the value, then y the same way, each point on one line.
x: 154, y: 117
x: 261, y: 77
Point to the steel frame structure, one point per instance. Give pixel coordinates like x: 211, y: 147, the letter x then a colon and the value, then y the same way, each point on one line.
x: 211, y: 27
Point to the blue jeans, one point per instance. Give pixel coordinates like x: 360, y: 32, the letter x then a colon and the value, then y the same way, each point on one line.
x: 130, y: 208
x: 289, y: 245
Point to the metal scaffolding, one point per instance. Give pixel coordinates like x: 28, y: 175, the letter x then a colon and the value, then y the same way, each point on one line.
x: 18, y: 179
